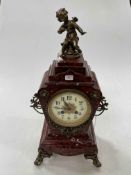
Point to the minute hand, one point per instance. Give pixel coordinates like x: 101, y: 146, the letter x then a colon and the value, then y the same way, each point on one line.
x: 66, y: 104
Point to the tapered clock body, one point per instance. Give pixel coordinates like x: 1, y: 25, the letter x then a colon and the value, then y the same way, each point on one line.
x: 69, y: 96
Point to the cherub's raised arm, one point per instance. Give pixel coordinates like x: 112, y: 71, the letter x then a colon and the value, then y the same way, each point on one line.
x: 79, y: 28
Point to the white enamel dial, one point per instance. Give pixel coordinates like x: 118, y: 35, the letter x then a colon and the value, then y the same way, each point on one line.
x: 69, y: 108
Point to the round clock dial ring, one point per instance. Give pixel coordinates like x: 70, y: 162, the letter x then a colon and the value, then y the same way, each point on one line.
x: 69, y: 108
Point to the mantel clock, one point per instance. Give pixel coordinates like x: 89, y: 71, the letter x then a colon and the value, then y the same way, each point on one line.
x: 69, y: 97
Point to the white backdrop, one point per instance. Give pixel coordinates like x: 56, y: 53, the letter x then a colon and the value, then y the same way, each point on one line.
x: 28, y: 44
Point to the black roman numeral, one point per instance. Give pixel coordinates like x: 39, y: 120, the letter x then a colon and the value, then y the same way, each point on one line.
x: 62, y: 98
x: 57, y: 102
x: 69, y: 97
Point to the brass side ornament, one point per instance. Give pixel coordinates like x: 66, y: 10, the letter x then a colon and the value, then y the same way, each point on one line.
x: 35, y: 104
x: 102, y: 106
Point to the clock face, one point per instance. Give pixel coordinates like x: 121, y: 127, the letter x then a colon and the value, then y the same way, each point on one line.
x: 69, y: 108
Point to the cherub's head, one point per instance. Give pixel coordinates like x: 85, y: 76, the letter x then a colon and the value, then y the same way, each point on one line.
x: 62, y: 14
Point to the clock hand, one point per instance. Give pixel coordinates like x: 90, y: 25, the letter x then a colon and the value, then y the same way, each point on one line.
x: 67, y: 105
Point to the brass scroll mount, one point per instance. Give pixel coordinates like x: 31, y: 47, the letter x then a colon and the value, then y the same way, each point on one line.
x: 102, y: 107
x: 35, y: 104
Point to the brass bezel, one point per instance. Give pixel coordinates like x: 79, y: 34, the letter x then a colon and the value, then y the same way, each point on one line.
x: 65, y: 124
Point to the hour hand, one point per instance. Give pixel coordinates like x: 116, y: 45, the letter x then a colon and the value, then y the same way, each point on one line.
x: 66, y: 104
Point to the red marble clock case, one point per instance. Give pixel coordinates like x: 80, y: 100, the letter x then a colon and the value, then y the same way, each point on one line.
x: 68, y: 140
x: 84, y: 80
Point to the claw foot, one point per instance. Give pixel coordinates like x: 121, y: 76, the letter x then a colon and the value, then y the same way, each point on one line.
x: 95, y: 159
x: 96, y: 162
x: 41, y: 155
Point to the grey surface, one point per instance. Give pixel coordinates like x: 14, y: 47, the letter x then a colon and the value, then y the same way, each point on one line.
x: 28, y: 44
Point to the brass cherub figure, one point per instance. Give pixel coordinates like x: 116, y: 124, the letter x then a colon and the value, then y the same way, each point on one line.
x: 70, y: 44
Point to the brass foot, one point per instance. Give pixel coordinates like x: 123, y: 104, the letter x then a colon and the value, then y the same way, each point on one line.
x: 41, y: 155
x: 95, y: 159
x: 96, y: 162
